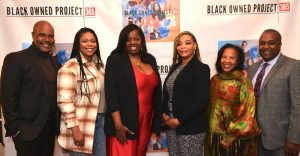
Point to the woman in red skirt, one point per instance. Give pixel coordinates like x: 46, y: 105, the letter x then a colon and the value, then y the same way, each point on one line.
x: 133, y: 95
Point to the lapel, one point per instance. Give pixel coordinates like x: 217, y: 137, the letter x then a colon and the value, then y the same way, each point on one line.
x: 272, y: 72
x: 183, y: 72
x: 125, y: 61
x: 172, y: 70
x: 185, y: 69
x: 255, y: 67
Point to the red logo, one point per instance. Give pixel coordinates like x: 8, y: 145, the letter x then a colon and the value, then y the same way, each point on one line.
x: 90, y: 11
x: 285, y: 7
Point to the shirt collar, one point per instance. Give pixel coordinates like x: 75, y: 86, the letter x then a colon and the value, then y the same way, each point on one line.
x: 38, y: 52
x: 271, y: 62
x: 94, y: 59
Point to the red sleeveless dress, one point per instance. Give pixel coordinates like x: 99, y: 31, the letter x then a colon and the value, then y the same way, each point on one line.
x: 146, y: 86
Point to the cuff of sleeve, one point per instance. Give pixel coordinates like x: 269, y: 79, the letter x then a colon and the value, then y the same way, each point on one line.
x: 71, y: 120
x: 72, y: 123
x: 294, y: 136
x: 181, y: 119
x: 113, y: 109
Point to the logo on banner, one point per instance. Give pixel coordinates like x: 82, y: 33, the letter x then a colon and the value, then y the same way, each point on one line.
x: 255, y: 8
x: 90, y: 11
x: 57, y: 11
x: 159, y: 19
x: 285, y: 7
x: 163, y: 69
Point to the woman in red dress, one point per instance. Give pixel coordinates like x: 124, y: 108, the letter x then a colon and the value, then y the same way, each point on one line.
x: 133, y: 95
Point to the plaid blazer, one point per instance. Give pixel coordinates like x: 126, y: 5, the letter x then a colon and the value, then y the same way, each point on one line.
x: 77, y: 109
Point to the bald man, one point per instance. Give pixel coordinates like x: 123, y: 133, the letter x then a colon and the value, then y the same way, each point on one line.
x: 28, y: 87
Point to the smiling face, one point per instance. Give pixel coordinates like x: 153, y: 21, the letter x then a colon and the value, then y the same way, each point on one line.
x: 134, y: 42
x: 43, y: 36
x: 186, y: 47
x: 88, y: 45
x: 245, y: 46
x: 269, y: 45
x: 229, y: 60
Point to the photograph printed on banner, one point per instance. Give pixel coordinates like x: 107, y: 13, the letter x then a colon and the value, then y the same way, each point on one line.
x: 158, y: 144
x: 250, y: 48
x: 159, y: 19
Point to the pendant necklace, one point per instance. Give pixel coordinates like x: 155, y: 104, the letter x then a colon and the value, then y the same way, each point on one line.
x: 137, y: 63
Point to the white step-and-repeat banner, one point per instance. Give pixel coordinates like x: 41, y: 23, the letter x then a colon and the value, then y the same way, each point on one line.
x: 213, y: 22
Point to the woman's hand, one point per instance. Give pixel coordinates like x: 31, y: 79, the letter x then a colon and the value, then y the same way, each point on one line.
x: 173, y: 123
x: 121, y: 131
x: 165, y: 118
x: 78, y: 136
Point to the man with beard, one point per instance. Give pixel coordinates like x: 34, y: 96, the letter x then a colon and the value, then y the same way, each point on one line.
x: 277, y: 90
x: 28, y: 94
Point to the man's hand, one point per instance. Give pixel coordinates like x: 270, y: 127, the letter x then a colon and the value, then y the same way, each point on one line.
x: 292, y: 149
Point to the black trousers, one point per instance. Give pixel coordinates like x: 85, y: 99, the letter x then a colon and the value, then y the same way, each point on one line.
x: 43, y: 145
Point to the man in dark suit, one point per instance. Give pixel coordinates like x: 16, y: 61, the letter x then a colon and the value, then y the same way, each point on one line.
x: 28, y: 94
x: 277, y: 89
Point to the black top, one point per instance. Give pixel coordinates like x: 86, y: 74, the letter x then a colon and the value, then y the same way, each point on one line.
x: 45, y: 62
x: 121, y: 94
x: 190, y: 97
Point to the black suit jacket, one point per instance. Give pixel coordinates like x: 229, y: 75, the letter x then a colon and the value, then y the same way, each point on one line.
x: 190, y: 97
x: 121, y: 95
x: 24, y: 94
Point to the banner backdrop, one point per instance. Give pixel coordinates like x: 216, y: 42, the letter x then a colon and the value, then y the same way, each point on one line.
x: 213, y: 22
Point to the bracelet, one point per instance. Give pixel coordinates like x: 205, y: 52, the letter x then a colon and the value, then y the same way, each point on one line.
x: 117, y: 128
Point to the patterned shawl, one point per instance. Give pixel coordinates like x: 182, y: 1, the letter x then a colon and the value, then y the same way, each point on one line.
x: 232, y: 107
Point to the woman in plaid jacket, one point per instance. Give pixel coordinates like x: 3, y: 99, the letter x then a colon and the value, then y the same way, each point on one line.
x: 81, y: 97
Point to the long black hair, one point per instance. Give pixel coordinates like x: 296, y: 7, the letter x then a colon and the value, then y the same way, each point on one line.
x: 241, y: 57
x: 76, y: 54
x: 123, y: 37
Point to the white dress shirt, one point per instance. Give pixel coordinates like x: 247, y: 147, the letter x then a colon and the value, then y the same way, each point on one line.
x: 267, y: 70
